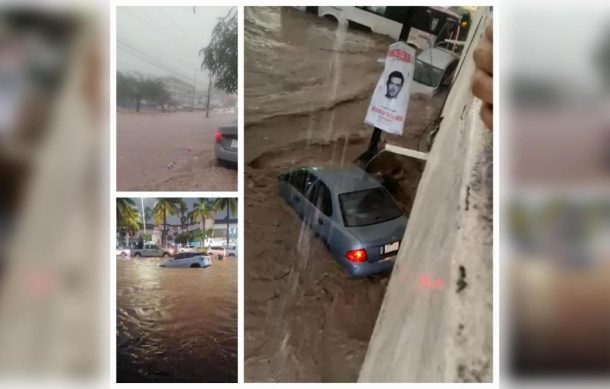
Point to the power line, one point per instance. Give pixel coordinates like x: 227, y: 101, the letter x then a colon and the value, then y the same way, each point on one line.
x: 152, y: 61
x: 148, y: 20
x: 172, y: 21
x: 150, y: 58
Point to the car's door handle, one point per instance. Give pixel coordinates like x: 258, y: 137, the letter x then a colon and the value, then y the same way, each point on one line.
x: 321, y: 222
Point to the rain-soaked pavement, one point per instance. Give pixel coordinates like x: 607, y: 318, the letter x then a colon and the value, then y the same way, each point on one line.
x: 308, y: 86
x: 171, y: 151
x: 176, y: 325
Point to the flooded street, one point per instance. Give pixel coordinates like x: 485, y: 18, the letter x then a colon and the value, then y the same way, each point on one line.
x: 176, y: 325
x: 172, y: 151
x: 308, y: 85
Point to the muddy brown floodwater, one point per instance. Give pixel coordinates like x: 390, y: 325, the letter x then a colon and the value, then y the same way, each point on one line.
x: 176, y: 325
x: 171, y: 151
x: 308, y: 86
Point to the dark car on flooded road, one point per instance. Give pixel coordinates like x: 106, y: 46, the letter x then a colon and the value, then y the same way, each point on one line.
x: 226, y: 145
x: 351, y: 212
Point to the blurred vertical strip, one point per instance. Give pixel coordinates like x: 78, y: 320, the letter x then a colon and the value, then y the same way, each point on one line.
x: 555, y: 126
x: 54, y: 151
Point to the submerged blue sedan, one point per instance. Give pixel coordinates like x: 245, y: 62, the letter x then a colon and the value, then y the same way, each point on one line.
x: 351, y: 212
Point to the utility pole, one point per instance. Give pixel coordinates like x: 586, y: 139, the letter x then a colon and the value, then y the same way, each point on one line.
x: 194, y: 81
x: 207, y: 109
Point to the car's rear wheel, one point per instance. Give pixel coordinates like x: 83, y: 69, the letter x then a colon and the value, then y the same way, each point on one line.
x: 166, y: 255
x: 137, y: 255
x: 219, y: 257
x: 231, y: 255
x: 195, y: 265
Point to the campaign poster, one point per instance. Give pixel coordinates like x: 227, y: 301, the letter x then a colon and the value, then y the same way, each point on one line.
x: 388, y: 107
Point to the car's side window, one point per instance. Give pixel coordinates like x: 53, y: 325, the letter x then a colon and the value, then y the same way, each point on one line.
x: 296, y: 179
x: 310, y: 179
x: 321, y: 199
x: 302, y: 180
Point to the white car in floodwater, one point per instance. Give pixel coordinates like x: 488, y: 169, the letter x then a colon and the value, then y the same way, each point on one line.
x: 188, y: 260
x: 222, y: 252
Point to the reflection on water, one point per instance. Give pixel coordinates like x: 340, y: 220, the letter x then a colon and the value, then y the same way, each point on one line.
x: 176, y: 325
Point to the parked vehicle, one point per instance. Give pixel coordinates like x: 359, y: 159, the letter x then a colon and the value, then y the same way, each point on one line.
x: 217, y: 252
x: 123, y: 252
x: 151, y: 250
x: 421, y: 27
x: 351, y: 212
x: 188, y: 260
x: 434, y: 68
x: 231, y: 252
x: 226, y: 144
x: 188, y: 249
x: 220, y: 241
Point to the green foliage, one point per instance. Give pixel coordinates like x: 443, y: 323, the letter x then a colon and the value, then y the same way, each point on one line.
x: 220, y: 56
x: 127, y: 215
x: 202, y: 209
x: 135, y: 88
x: 226, y: 203
x: 230, y: 204
x: 161, y: 209
x: 200, y: 236
x: 184, y: 237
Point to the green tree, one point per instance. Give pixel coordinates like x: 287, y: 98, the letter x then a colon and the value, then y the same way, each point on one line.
x: 220, y: 56
x: 137, y: 88
x: 230, y: 204
x: 160, y: 210
x: 184, y: 237
x: 201, y: 236
x: 127, y: 216
x: 202, y: 209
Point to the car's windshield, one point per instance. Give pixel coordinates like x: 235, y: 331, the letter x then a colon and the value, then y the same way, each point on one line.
x: 366, y: 207
x: 427, y: 74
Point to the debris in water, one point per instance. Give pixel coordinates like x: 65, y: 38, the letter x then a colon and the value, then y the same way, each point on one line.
x: 461, y: 282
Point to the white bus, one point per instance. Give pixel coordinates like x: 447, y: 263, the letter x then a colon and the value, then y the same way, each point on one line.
x: 421, y: 27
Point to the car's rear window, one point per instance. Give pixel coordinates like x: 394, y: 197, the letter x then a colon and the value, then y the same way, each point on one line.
x: 427, y: 74
x: 366, y: 207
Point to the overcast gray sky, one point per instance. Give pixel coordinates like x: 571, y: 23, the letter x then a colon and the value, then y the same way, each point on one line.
x: 162, y: 41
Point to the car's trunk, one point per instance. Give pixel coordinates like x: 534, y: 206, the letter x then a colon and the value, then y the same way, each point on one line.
x: 228, y: 135
x: 375, y: 236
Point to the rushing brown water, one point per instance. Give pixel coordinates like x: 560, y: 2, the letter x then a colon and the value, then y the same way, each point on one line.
x: 176, y: 325
x: 307, y: 88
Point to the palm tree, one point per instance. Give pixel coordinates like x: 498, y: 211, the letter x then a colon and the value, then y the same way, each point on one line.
x: 202, y: 210
x: 230, y: 204
x: 160, y: 210
x: 127, y: 215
